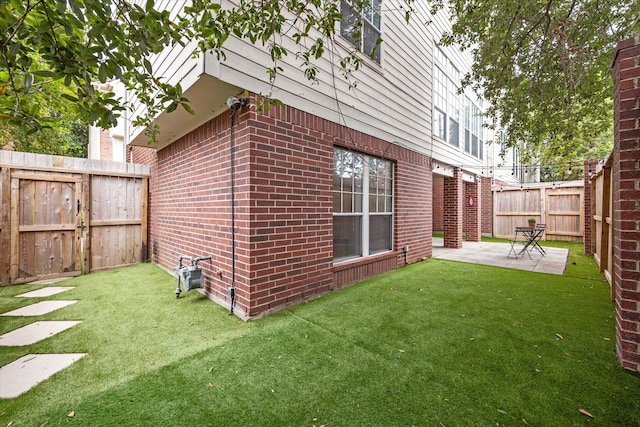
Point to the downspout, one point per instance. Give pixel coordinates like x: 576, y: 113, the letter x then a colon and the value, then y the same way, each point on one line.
x: 234, y: 105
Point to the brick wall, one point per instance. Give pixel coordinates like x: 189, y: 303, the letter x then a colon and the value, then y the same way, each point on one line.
x: 290, y: 204
x: 472, y: 214
x: 626, y: 200
x: 189, y: 201
x: 106, y: 145
x: 588, y: 238
x: 438, y: 204
x: 487, y: 206
x: 284, y: 206
x: 148, y: 156
x: 453, y: 219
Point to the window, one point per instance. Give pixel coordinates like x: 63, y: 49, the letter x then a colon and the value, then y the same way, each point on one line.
x: 362, y: 205
x: 517, y: 170
x: 467, y: 125
x: 454, y: 115
x: 473, y: 141
x: 446, y: 101
x: 481, y: 137
x: 362, y: 29
x: 439, y: 103
x: 449, y: 106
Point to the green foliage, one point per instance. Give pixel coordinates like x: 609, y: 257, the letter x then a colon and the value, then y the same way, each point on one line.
x: 67, y: 139
x: 557, y: 166
x: 82, y: 42
x: 59, y: 129
x: 544, y: 67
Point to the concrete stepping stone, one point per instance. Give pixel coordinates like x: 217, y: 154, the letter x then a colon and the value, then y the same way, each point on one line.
x: 35, y: 332
x: 45, y: 292
x: 30, y: 370
x: 39, y: 308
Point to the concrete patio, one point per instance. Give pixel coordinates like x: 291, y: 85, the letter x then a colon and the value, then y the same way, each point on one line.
x: 497, y: 255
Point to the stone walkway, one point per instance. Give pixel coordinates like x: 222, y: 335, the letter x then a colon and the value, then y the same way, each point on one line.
x: 26, y: 372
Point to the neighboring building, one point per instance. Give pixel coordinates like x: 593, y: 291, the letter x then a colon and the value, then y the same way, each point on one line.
x: 109, y: 144
x: 338, y: 185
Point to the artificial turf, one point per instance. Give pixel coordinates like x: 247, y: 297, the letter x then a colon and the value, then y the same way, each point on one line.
x: 435, y: 343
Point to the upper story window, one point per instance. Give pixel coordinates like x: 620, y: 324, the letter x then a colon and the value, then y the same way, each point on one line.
x: 446, y: 101
x: 451, y: 110
x: 517, y: 170
x: 362, y: 29
x: 473, y: 130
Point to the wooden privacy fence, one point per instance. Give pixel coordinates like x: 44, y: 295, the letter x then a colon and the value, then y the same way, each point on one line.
x: 602, y: 219
x: 558, y: 205
x: 63, y: 216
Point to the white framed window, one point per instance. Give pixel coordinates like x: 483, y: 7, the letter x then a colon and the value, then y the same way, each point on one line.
x: 454, y: 115
x: 473, y: 128
x: 362, y: 205
x: 446, y: 101
x: 449, y: 107
x: 467, y: 125
x: 439, y: 103
x: 363, y: 29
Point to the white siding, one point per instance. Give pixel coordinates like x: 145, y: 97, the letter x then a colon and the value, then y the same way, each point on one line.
x: 393, y: 100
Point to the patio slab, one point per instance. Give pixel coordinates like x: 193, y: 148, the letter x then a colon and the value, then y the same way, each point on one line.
x: 34, y: 332
x: 45, y: 292
x: 496, y: 254
x: 39, y: 308
x: 21, y: 375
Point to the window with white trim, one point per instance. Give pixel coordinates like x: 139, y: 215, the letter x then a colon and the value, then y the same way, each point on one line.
x: 362, y: 205
x: 446, y: 101
x: 454, y: 115
x: 363, y: 29
x: 439, y: 103
x: 473, y: 129
x: 452, y: 110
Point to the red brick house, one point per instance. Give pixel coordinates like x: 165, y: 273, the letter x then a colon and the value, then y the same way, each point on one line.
x: 333, y: 187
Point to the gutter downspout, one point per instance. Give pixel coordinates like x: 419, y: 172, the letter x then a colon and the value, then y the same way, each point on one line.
x: 234, y: 105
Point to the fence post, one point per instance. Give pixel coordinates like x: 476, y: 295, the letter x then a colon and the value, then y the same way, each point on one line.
x: 626, y: 216
x: 589, y: 206
x: 144, y: 230
x: 5, y: 225
x: 85, y: 243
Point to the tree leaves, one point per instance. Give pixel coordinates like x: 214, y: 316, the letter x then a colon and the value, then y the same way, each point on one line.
x: 544, y: 67
x: 80, y: 43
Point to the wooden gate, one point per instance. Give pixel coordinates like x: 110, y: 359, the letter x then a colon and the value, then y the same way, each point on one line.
x: 45, y: 225
x: 564, y: 214
x: 62, y: 216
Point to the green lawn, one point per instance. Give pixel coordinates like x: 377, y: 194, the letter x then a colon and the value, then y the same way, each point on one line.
x: 436, y: 343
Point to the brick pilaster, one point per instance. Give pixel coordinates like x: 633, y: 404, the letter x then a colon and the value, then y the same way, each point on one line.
x: 453, y: 191
x: 473, y: 212
x: 438, y: 204
x: 626, y: 201
x: 588, y: 239
x: 487, y: 207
